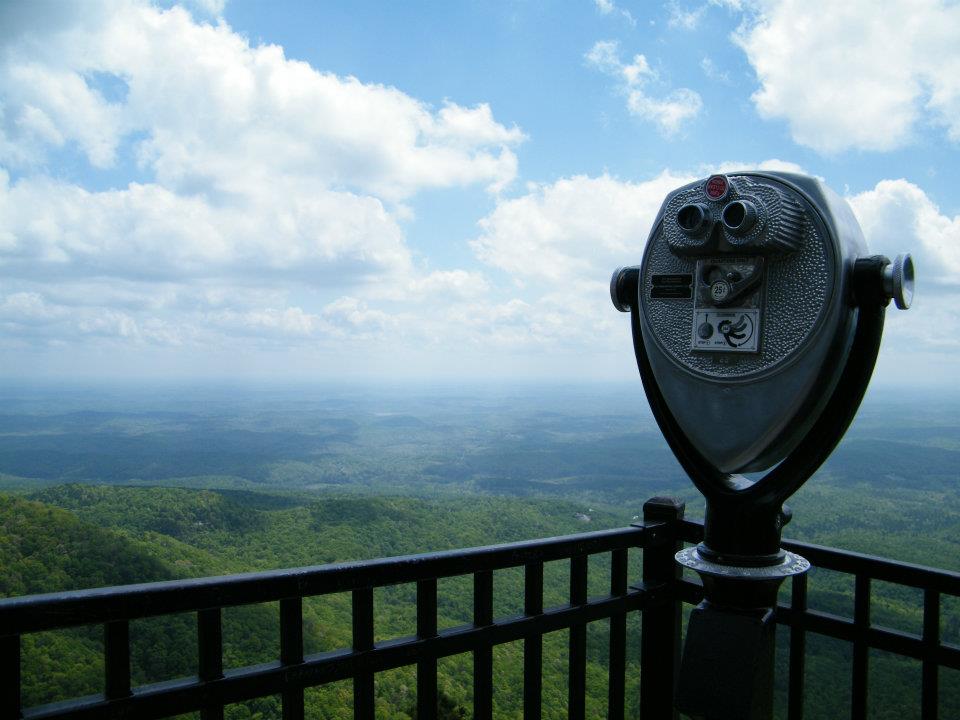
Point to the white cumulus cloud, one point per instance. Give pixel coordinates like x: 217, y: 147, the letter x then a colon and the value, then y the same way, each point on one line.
x: 560, y: 242
x: 855, y: 74
x: 898, y: 216
x: 148, y: 232
x: 265, y: 188
x: 608, y: 7
x: 219, y: 115
x: 575, y: 228
x: 682, y: 18
x: 668, y: 112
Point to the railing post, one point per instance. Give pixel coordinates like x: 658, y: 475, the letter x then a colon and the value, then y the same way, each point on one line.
x: 426, y: 629
x: 363, y: 686
x: 798, y: 649
x: 861, y: 647
x: 616, y: 684
x: 10, y: 672
x: 930, y: 684
x: 210, y: 655
x: 533, y: 644
x: 577, y: 659
x: 483, y: 656
x: 116, y: 665
x: 291, y: 653
x: 660, y: 639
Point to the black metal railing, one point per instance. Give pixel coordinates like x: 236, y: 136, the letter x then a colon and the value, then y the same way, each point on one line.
x: 213, y: 687
x: 859, y: 631
x: 656, y: 596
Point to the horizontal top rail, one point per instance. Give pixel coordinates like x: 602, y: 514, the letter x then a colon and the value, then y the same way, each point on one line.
x: 51, y: 611
x: 855, y: 563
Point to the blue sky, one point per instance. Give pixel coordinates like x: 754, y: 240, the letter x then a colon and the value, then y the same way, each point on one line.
x: 435, y: 190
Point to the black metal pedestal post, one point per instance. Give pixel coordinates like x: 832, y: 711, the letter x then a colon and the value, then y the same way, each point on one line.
x: 727, y: 664
x: 727, y: 667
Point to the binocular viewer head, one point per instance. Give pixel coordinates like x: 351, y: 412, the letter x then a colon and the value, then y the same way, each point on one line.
x: 738, y: 215
x: 747, y: 303
x: 757, y: 315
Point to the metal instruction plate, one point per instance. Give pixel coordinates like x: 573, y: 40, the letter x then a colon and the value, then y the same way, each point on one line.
x: 728, y: 330
x: 676, y: 286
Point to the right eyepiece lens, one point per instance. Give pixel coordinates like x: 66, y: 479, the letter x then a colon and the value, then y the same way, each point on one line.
x: 739, y: 216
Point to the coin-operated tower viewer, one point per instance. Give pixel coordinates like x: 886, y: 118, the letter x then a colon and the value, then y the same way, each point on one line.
x: 757, y: 314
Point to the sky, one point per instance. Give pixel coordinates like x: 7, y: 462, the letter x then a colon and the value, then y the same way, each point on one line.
x: 436, y: 191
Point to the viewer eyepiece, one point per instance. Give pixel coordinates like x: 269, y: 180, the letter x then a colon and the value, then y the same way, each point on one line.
x: 739, y: 217
x: 693, y: 219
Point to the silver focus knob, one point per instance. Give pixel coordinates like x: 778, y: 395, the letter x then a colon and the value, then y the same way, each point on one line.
x: 898, y: 281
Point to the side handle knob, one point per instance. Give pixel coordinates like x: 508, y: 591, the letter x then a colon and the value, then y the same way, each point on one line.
x: 624, y: 286
x: 898, y: 281
x: 877, y: 280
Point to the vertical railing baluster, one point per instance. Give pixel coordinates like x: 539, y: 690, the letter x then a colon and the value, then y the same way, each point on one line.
x: 210, y: 655
x: 930, y: 687
x: 861, y: 648
x: 10, y: 674
x: 577, y: 668
x: 363, y: 688
x: 533, y: 643
x: 616, y: 684
x: 291, y: 653
x: 798, y: 647
x: 660, y: 626
x: 427, y: 667
x: 116, y: 659
x: 483, y: 657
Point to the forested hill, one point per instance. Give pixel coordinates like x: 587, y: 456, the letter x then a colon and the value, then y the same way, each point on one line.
x: 255, y: 531
x: 45, y: 549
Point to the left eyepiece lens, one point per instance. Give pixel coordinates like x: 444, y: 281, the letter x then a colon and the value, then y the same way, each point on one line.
x: 692, y: 219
